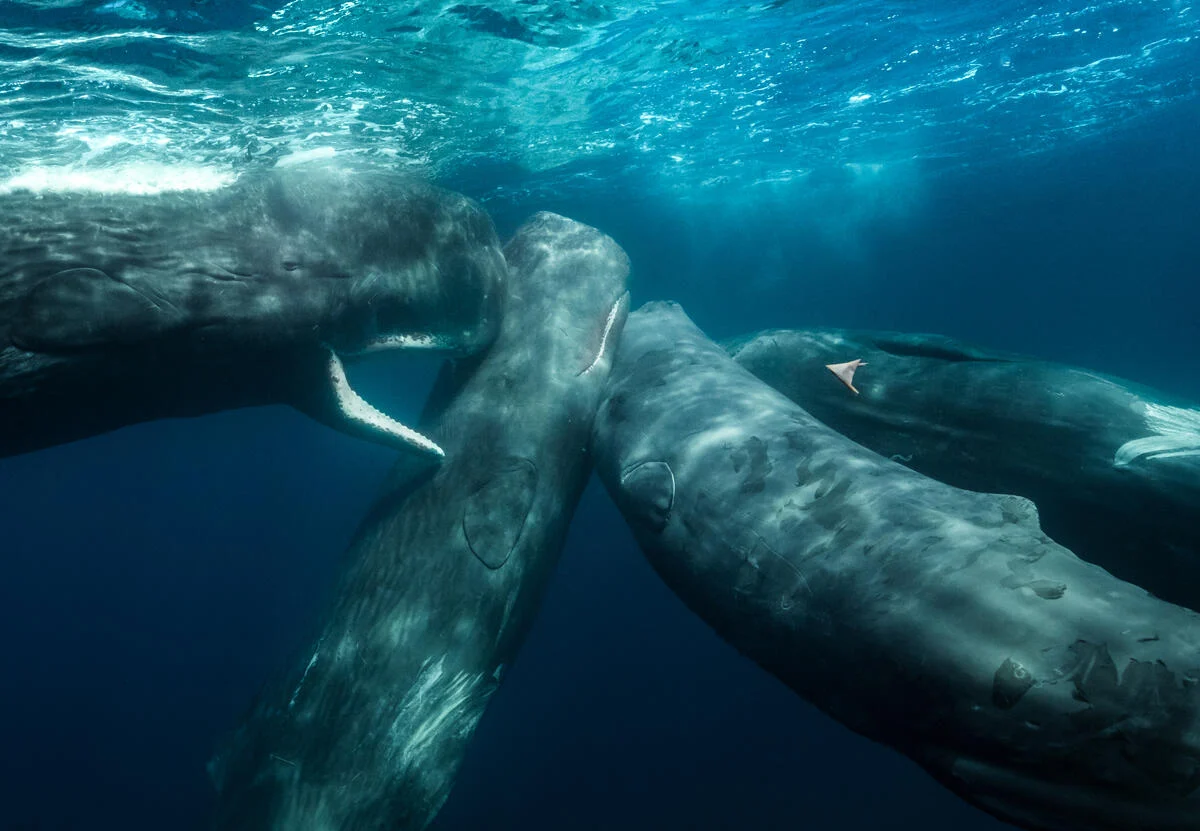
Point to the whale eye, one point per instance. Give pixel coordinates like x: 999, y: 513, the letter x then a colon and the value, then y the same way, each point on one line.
x: 290, y: 265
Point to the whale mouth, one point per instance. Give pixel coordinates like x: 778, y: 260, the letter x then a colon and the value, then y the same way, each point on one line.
x: 411, y: 340
x: 360, y: 417
x: 332, y: 401
x: 341, y: 407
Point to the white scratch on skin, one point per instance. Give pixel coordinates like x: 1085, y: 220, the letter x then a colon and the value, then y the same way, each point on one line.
x: 427, y: 708
x: 346, y: 649
x: 613, y: 313
x: 1176, y: 434
x: 304, y: 677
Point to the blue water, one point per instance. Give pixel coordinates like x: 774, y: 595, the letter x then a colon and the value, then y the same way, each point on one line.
x: 1022, y: 175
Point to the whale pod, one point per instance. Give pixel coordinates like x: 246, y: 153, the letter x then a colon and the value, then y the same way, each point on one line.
x: 1113, y: 467
x: 444, y: 577
x: 938, y: 621
x: 118, y: 308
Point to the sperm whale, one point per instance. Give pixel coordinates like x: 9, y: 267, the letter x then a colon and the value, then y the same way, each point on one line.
x: 119, y: 308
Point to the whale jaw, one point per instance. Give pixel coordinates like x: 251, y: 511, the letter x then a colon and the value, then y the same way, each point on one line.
x: 1174, y: 433
x: 334, y: 402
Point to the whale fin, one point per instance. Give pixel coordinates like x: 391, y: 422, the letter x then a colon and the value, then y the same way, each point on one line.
x: 845, y: 372
x: 332, y: 401
x: 495, y: 513
x: 650, y: 486
x: 85, y: 307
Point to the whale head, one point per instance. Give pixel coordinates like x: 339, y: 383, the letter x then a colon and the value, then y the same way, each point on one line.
x: 189, y: 303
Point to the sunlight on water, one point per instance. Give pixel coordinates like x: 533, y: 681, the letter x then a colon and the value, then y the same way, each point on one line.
x: 692, y: 95
x: 143, y: 178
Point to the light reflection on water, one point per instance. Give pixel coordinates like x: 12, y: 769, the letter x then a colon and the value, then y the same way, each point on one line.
x: 684, y: 95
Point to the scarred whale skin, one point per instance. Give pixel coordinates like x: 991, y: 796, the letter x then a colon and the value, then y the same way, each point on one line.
x: 445, y: 576
x: 1113, y: 467
x: 939, y: 621
x: 118, y: 308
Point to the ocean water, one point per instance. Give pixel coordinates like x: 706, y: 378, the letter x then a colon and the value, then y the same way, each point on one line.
x: 1022, y: 175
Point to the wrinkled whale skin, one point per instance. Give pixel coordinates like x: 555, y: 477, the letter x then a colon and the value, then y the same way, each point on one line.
x: 1113, y: 467
x: 446, y: 573
x: 938, y: 621
x: 119, y: 308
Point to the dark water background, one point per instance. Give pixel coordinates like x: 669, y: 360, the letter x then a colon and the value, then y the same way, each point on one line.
x: 152, y: 578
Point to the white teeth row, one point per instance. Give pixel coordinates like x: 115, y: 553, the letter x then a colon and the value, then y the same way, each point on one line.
x: 357, y: 411
x: 409, y: 341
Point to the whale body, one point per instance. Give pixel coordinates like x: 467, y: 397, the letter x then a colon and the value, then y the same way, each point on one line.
x: 1113, y: 467
x: 939, y: 621
x: 118, y: 308
x: 368, y: 729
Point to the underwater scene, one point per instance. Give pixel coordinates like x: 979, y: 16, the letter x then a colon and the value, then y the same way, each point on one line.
x: 570, y: 414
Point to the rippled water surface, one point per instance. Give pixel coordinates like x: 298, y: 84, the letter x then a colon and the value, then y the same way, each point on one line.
x: 689, y: 95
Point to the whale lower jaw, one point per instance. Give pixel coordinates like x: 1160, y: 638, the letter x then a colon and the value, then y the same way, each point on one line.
x: 1176, y: 434
x: 354, y: 415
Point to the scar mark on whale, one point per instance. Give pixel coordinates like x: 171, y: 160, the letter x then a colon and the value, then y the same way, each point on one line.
x: 614, y: 314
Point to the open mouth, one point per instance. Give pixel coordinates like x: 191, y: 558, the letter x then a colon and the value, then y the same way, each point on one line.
x: 352, y: 414
x: 412, y: 340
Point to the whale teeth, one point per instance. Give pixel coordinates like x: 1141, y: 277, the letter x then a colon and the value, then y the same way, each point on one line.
x: 412, y: 340
x: 358, y: 413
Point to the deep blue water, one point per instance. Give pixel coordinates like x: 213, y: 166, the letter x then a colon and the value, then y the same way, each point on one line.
x: 150, y: 579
